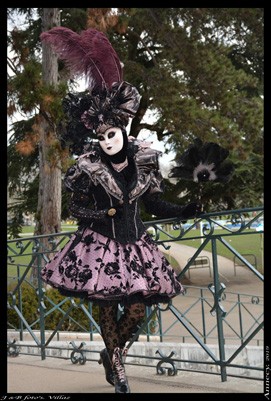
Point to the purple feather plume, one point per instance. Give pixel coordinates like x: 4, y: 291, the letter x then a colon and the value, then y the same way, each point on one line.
x: 105, y: 57
x: 89, y: 54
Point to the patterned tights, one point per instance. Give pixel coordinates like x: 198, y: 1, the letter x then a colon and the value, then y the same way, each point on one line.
x: 116, y: 332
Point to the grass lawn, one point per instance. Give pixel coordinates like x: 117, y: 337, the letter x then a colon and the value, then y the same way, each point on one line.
x: 244, y: 244
x: 64, y: 228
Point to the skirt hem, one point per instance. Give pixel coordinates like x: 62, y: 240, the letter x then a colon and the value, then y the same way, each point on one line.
x: 136, y: 297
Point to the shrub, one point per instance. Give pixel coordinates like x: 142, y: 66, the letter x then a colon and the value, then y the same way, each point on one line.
x: 52, y: 297
x: 76, y: 321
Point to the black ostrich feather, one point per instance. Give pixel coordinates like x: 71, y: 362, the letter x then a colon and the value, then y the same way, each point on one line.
x: 203, y: 162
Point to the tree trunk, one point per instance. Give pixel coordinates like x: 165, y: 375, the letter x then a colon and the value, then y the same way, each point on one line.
x: 48, y: 217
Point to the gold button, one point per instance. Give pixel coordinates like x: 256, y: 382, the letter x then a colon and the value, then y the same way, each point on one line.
x: 111, y: 212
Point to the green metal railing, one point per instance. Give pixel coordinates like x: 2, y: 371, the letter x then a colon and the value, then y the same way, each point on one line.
x: 28, y: 255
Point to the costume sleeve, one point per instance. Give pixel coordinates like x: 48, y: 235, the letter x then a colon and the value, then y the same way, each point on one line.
x: 148, y: 161
x: 78, y: 208
x: 164, y: 210
x: 78, y: 182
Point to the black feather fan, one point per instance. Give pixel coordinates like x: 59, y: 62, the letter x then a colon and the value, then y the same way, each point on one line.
x: 203, y: 162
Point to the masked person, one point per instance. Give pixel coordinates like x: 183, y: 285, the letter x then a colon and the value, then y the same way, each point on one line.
x: 111, y: 259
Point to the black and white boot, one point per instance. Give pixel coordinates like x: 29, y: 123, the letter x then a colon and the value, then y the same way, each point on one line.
x: 105, y: 360
x: 121, y: 383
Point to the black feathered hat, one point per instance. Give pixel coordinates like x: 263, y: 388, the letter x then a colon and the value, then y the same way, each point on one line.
x: 108, y: 101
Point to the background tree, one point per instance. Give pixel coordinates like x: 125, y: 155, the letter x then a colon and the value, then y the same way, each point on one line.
x: 35, y: 157
x: 200, y: 74
x: 49, y: 195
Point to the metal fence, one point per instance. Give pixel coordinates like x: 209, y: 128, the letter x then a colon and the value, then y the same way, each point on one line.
x: 219, y: 323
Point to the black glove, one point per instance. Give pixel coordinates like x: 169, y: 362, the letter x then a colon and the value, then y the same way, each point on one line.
x: 191, y: 210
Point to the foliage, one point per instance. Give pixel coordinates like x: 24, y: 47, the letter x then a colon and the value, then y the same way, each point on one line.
x: 76, y: 320
x: 198, y: 70
x: 76, y: 315
x: 29, y: 308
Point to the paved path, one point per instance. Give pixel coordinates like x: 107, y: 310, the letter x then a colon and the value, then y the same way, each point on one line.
x: 244, y: 281
x: 28, y: 374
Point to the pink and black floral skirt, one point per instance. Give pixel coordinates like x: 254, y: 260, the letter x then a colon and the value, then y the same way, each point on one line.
x: 101, y: 269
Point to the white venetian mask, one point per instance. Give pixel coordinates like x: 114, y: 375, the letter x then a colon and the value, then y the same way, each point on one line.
x: 111, y: 141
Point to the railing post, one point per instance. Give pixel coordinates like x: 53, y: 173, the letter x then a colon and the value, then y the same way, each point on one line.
x: 20, y: 301
x: 160, y: 325
x: 240, y: 318
x: 42, y: 307
x: 203, y: 316
x: 219, y: 313
x: 148, y: 312
x: 90, y: 321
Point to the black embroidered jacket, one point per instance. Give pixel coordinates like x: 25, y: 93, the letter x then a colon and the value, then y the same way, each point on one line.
x: 95, y: 189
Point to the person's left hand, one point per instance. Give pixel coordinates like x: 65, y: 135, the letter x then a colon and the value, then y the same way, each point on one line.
x: 191, y: 210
